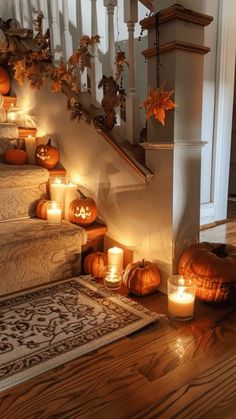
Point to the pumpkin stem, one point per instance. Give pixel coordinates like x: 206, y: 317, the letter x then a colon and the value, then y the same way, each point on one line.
x: 142, y: 263
x: 221, y: 250
x: 49, y: 143
x: 82, y: 196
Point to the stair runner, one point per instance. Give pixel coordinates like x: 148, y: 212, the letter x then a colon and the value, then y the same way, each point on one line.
x: 32, y: 251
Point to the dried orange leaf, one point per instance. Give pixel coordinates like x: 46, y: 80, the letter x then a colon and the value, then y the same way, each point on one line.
x: 157, y: 102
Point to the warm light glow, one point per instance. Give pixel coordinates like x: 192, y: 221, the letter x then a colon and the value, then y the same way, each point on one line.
x: 54, y: 213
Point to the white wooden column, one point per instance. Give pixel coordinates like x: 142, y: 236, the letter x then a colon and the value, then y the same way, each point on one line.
x: 81, y: 77
x: 110, y: 34
x: 67, y: 38
x: 133, y: 123
x: 17, y: 11
x: 55, y: 32
x: 173, y: 151
x: 43, y: 4
x: 96, y: 65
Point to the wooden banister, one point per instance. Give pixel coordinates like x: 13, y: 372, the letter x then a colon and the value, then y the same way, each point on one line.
x: 148, y: 4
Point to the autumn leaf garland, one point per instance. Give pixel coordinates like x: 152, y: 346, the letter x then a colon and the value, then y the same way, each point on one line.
x: 157, y: 103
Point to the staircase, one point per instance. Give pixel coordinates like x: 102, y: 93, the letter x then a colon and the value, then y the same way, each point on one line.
x: 32, y: 251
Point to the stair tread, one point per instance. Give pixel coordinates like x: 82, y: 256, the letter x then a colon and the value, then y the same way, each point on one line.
x: 22, y: 175
x: 17, y: 233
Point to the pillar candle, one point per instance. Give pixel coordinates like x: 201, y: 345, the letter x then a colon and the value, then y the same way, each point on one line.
x: 30, y: 147
x: 57, y: 191
x: 115, y: 257
x: 53, y: 213
x: 70, y: 194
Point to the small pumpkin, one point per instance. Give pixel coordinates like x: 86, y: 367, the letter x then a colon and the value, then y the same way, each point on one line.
x: 46, y: 155
x: 142, y: 277
x: 213, y: 265
x: 94, y: 264
x: 83, y: 210
x: 5, y: 83
x: 41, y: 209
x: 16, y: 156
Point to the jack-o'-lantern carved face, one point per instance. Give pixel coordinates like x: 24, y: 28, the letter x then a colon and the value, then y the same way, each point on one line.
x: 46, y: 156
x: 83, y: 210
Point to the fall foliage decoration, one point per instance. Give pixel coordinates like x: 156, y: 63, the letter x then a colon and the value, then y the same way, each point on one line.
x: 142, y: 277
x: 15, y: 156
x: 213, y: 265
x: 46, y: 155
x: 157, y: 103
x: 5, y: 83
x: 41, y: 209
x: 94, y: 264
x: 83, y: 210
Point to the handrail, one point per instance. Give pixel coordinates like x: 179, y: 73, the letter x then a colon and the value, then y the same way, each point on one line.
x: 148, y: 4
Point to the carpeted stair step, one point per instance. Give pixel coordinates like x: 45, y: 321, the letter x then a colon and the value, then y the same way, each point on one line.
x: 20, y: 188
x: 34, y: 252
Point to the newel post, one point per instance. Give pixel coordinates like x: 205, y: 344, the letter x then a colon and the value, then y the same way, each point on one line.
x: 133, y: 124
x: 173, y: 151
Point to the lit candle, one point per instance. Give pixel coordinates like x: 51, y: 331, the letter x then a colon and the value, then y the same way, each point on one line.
x: 115, y: 257
x: 57, y: 191
x: 181, y: 297
x: 30, y: 146
x: 70, y: 194
x: 53, y: 213
x: 113, y: 277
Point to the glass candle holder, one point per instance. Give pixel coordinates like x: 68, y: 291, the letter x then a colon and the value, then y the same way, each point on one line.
x: 57, y: 186
x: 112, y: 277
x: 181, y: 297
x: 54, y: 212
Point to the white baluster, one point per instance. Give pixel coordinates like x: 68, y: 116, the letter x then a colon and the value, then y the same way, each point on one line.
x: 110, y: 6
x: 133, y: 124
x: 27, y: 14
x: 17, y: 11
x: 82, y: 77
x: 43, y: 6
x: 55, y: 32
x: 96, y: 66
x: 68, y: 48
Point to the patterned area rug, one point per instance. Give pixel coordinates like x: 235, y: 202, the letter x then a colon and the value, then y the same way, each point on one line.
x: 51, y: 325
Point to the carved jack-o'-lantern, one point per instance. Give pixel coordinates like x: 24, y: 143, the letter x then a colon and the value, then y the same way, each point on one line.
x: 83, y: 210
x: 46, y: 156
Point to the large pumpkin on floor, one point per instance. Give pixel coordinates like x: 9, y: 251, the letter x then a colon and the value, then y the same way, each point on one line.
x: 5, y: 83
x: 83, y: 210
x: 94, y: 264
x: 15, y: 156
x: 141, y: 278
x: 41, y: 209
x: 46, y: 155
x: 213, y: 265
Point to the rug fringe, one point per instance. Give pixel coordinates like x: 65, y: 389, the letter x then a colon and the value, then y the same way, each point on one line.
x: 111, y: 294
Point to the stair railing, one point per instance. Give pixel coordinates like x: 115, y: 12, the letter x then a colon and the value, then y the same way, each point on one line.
x: 62, y: 46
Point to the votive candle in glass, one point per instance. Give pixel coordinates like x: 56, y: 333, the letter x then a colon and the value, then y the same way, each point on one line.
x: 112, y: 277
x: 181, y: 297
x: 54, y: 212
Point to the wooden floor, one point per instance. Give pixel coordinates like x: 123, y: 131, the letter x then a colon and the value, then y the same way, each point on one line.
x: 168, y: 370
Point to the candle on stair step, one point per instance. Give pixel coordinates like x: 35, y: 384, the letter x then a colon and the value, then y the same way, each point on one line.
x: 53, y: 212
x: 30, y: 147
x: 71, y: 193
x: 57, y: 190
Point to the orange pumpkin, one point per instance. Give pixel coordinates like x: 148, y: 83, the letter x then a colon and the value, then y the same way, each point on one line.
x: 5, y: 83
x: 46, y: 155
x: 41, y: 209
x: 94, y: 264
x: 213, y: 265
x: 16, y: 156
x: 142, y: 277
x: 83, y: 210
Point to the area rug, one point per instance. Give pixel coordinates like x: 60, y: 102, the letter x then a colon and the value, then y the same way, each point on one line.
x: 51, y: 325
